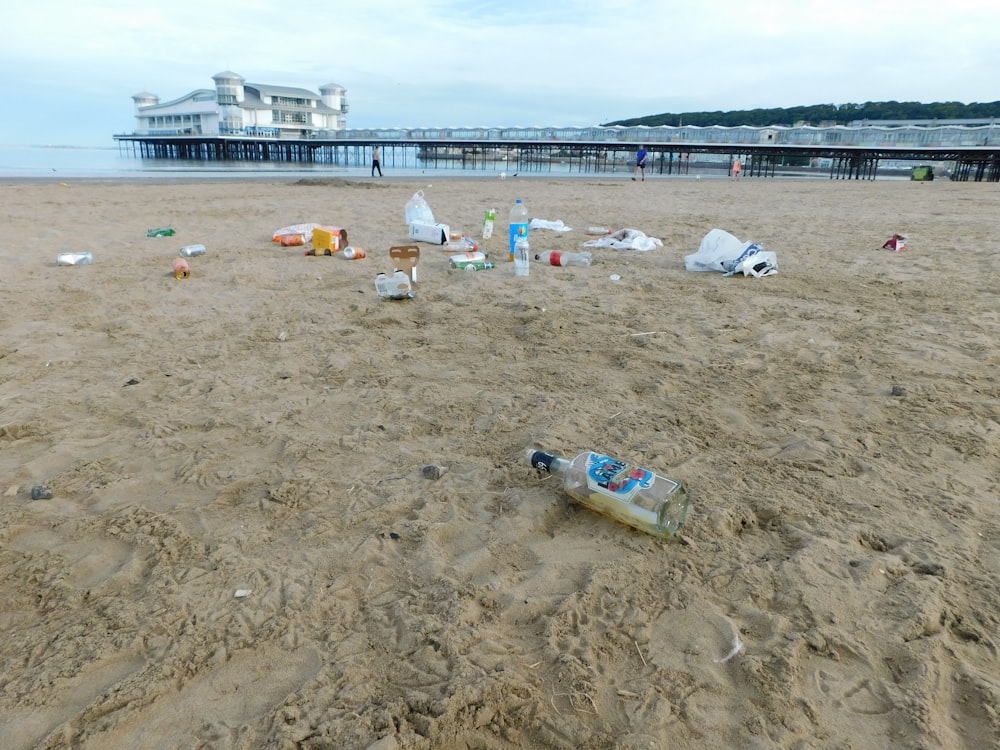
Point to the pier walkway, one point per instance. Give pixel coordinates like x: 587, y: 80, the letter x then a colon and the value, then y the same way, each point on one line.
x: 763, y: 152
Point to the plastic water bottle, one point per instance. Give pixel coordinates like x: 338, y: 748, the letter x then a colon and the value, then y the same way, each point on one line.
x: 488, y: 221
x: 189, y: 251
x: 635, y: 496
x: 555, y: 258
x: 522, y: 257
x: 518, y: 224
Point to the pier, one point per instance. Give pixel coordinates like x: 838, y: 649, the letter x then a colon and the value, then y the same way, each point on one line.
x: 846, y: 153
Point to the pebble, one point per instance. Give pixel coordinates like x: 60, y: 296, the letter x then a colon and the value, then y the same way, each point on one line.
x: 41, y: 492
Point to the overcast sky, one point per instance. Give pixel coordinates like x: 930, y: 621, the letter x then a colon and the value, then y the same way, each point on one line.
x: 70, y: 68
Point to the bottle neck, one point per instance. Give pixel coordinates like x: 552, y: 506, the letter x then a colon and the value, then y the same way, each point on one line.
x: 548, y: 463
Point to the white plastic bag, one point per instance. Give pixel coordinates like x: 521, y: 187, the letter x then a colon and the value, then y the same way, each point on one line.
x: 721, y: 251
x: 626, y: 239
x: 418, y: 210
x: 557, y: 226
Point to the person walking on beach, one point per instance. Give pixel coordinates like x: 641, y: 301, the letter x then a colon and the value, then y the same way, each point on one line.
x: 737, y: 168
x: 640, y: 164
x: 376, y: 162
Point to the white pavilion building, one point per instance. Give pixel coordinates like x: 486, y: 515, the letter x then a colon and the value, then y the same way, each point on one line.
x: 235, y: 107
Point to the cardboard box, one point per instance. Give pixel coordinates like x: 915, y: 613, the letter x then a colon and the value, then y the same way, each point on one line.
x: 329, y: 239
x: 405, y: 258
x: 435, y: 234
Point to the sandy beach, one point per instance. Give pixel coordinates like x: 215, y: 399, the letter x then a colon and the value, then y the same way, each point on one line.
x: 261, y: 427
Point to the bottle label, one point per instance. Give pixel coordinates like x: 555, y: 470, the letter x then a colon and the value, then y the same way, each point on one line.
x: 517, y: 232
x: 616, y: 478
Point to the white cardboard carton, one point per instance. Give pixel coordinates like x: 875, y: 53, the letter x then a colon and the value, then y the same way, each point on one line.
x: 435, y: 234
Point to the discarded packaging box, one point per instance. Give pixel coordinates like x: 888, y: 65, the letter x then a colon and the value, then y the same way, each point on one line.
x: 435, y: 234
x: 404, y: 258
x: 329, y: 239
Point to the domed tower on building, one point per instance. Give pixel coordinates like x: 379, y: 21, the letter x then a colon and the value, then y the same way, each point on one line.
x: 334, y: 96
x: 230, y: 94
x: 144, y: 99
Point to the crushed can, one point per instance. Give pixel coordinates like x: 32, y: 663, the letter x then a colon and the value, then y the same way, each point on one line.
x: 74, y: 259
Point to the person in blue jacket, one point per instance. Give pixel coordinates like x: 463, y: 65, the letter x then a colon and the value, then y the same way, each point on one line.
x: 640, y: 164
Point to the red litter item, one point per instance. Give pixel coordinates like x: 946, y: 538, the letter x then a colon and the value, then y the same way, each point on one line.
x: 897, y: 242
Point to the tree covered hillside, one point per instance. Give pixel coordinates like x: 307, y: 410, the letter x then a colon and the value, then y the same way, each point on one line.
x: 816, y: 114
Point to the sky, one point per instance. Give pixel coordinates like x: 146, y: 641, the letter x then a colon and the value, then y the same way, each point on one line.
x: 68, y: 69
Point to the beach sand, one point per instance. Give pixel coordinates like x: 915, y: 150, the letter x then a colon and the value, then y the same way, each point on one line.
x: 263, y: 424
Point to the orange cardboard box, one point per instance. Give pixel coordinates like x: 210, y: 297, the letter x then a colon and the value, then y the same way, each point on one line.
x: 329, y: 239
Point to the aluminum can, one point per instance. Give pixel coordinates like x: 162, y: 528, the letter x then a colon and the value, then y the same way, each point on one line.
x: 189, y: 251
x: 74, y: 259
x: 352, y: 253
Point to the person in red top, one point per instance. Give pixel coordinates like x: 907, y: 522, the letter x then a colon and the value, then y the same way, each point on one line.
x: 737, y: 168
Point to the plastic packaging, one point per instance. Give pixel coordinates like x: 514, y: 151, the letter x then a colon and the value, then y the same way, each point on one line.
x: 418, y: 211
x: 488, y: 221
x: 522, y: 257
x: 181, y: 268
x: 354, y: 253
x: 397, y: 286
x: 518, y: 224
x: 160, y: 232
x: 189, y: 251
x: 555, y: 258
x: 635, y: 496
x: 74, y: 259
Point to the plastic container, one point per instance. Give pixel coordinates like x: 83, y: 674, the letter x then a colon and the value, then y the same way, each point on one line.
x: 518, y: 224
x: 488, y: 221
x: 630, y: 494
x: 189, y: 251
x: 181, y: 268
x: 74, y: 259
x: 397, y: 286
x: 354, y: 253
x: 522, y: 257
x: 596, y: 231
x: 160, y: 232
x: 556, y: 258
x: 418, y: 211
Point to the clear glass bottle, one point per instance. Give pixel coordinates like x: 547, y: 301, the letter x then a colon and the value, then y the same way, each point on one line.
x: 635, y: 496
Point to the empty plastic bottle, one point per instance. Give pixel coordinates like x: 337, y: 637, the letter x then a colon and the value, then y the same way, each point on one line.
x: 556, y: 258
x: 518, y: 224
